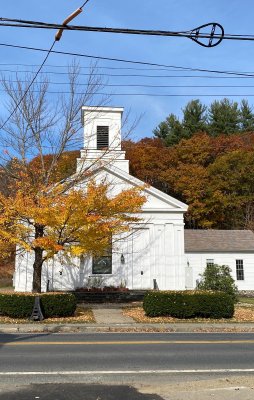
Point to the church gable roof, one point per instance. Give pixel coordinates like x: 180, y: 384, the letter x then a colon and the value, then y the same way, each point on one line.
x: 156, y: 199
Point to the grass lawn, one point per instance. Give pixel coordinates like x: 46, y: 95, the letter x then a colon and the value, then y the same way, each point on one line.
x: 248, y: 300
x: 82, y: 315
x: 6, y: 289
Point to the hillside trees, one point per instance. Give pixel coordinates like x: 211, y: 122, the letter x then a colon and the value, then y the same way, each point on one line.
x: 194, y: 120
x: 148, y: 159
x: 213, y: 175
x: 221, y: 117
x: 230, y: 200
x: 170, y: 131
x: 246, y: 117
x: 38, y: 212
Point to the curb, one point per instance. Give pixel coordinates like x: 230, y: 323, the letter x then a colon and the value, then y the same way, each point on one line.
x: 126, y: 327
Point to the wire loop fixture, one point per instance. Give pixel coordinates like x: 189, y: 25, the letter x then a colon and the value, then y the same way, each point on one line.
x: 205, y: 39
x: 213, y: 40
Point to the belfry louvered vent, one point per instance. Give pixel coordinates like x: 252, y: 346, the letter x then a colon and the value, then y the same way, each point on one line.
x: 102, y: 137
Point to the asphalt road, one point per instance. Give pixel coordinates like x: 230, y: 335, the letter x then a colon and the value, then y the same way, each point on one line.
x: 76, y: 392
x: 143, y: 366
x: 125, y: 353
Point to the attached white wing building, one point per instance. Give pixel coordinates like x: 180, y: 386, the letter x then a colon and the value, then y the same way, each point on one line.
x: 234, y: 248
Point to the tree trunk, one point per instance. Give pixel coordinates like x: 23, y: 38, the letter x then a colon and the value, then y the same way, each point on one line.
x: 38, y: 261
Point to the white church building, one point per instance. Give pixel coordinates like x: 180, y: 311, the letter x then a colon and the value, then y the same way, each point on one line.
x: 153, y: 254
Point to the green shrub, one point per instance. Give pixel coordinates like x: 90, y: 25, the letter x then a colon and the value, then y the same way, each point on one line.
x: 218, y: 278
x: 58, y: 305
x: 188, y: 304
x: 16, y: 305
x: 20, y: 305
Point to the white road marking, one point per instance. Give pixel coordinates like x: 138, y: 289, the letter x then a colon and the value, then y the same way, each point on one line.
x: 124, y: 342
x: 129, y: 372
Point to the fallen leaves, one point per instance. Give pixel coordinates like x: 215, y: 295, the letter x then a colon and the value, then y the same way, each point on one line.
x: 82, y: 315
x: 138, y: 315
x: 242, y: 314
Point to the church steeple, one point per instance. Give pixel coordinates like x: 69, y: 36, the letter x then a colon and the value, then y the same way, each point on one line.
x: 102, y: 138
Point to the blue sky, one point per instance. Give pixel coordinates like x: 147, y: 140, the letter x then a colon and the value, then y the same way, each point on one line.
x: 235, y: 16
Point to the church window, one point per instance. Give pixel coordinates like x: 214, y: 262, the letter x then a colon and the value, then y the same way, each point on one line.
x: 239, y: 270
x: 209, y: 262
x: 103, y: 264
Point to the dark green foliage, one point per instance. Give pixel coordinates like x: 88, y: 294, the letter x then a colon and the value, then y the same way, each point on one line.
x: 218, y: 278
x: 16, y: 305
x: 194, y: 118
x: 246, y: 117
x: 58, y: 305
x: 222, y: 117
x: 171, y: 130
x: 188, y: 304
x: 19, y: 305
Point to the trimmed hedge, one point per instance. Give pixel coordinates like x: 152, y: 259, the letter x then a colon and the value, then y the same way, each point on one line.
x: 20, y: 305
x: 188, y: 304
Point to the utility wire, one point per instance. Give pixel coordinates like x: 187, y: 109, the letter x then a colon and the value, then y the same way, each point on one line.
x: 100, y: 67
x: 133, y: 75
x: 142, y: 85
x: 29, y: 86
x: 83, y: 5
x: 19, y: 23
x: 151, y: 94
x: 194, y: 34
x: 122, y: 60
x: 170, y: 68
x: 34, y: 78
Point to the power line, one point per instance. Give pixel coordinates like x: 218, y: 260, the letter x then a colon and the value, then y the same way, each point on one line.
x: 122, y: 60
x: 213, y: 38
x: 235, y: 75
x: 34, y: 78
x: 151, y: 94
x: 97, y: 67
x: 142, y: 85
x: 238, y: 75
x: 170, y: 68
x: 83, y: 5
x: 29, y: 86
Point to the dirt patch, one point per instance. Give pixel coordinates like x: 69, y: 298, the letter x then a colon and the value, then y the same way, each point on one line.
x: 229, y: 388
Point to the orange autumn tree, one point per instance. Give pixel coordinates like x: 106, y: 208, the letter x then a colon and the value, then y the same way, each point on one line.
x: 42, y: 211
x: 73, y: 222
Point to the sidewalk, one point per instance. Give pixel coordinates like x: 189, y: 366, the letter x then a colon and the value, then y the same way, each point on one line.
x: 110, y: 314
x: 109, y: 318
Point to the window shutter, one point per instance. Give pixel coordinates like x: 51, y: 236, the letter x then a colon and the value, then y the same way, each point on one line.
x: 102, y: 137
